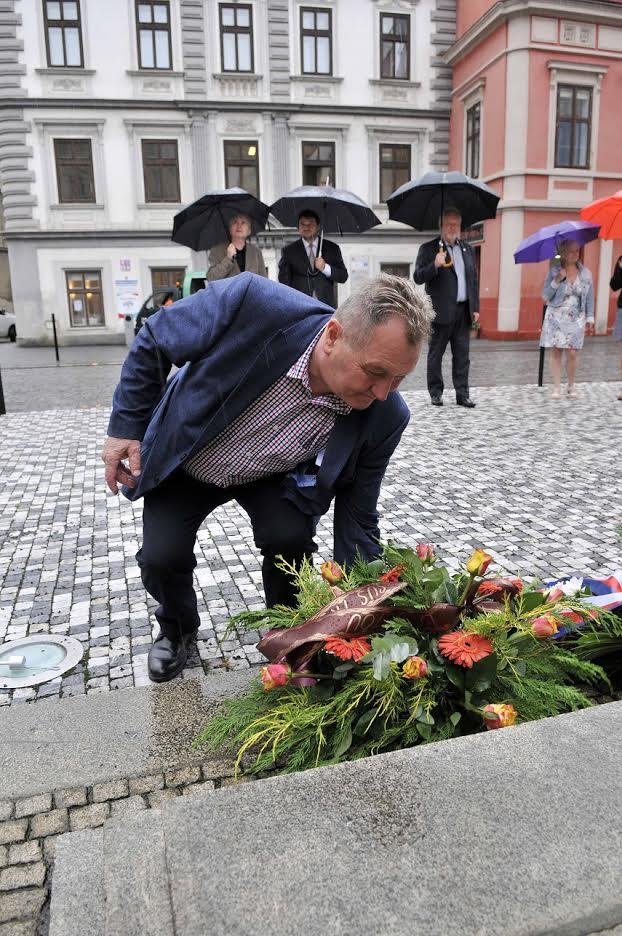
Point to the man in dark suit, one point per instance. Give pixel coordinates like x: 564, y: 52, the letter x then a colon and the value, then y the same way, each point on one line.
x: 450, y: 276
x: 277, y: 405
x: 302, y: 266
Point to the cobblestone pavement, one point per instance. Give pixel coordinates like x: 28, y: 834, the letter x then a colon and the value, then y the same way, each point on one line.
x: 535, y: 482
x: 87, y: 376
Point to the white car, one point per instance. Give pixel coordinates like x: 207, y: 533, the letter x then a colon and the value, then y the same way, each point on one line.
x: 7, y: 325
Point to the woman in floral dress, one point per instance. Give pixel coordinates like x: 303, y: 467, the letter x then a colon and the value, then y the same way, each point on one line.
x: 569, y: 294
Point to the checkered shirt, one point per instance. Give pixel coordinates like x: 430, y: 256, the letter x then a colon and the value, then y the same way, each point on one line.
x: 285, y: 426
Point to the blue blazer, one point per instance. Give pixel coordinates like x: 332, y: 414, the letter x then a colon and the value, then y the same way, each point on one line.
x: 231, y: 341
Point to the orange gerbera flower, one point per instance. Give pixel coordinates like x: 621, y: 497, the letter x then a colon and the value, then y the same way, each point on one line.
x: 464, y: 648
x: 392, y: 575
x: 351, y: 649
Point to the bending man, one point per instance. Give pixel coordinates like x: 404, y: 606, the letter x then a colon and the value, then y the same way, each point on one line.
x: 277, y: 404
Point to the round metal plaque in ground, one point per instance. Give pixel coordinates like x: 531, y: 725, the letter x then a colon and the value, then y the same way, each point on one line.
x: 33, y: 660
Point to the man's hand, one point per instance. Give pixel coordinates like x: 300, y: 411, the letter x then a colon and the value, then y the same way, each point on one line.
x: 117, y: 472
x: 320, y: 263
x: 440, y: 259
x: 231, y: 251
x: 476, y: 317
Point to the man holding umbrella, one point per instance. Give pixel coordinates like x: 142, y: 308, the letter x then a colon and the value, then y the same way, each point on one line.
x: 448, y: 270
x: 447, y: 267
x: 312, y: 264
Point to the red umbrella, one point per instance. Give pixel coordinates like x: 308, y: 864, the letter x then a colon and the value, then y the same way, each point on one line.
x: 608, y: 213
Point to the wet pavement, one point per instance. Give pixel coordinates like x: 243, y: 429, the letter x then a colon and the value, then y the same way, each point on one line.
x: 87, y: 376
x: 536, y: 482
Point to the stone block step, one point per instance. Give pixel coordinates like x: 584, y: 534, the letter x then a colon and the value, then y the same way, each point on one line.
x: 508, y: 833
x: 138, y: 901
x: 77, y: 906
x: 90, y: 739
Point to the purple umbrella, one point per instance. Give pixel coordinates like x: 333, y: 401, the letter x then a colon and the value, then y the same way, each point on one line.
x: 543, y: 245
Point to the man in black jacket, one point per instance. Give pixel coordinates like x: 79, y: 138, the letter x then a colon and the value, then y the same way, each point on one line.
x: 309, y: 270
x: 450, y: 276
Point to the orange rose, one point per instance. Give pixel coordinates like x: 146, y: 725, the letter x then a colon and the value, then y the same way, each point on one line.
x: 331, y: 572
x: 478, y: 562
x: 499, y: 715
x: 415, y: 667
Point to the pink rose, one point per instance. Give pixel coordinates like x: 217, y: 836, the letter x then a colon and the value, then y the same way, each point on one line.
x: 426, y: 552
x: 275, y: 674
x: 544, y: 626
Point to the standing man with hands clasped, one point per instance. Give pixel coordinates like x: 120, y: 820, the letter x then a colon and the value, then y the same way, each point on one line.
x: 276, y: 404
x: 307, y: 268
x: 450, y: 276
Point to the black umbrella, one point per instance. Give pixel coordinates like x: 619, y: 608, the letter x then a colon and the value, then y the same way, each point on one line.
x: 205, y: 222
x: 422, y: 202
x: 338, y: 210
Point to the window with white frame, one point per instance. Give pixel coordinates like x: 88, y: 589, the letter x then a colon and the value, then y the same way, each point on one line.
x: 63, y: 33
x: 74, y: 171
x: 236, y: 37
x: 84, y: 296
x: 316, y: 41
x: 395, y: 163
x: 153, y: 27
x: 242, y: 165
x: 472, y: 140
x: 318, y: 163
x: 573, y: 127
x: 160, y: 170
x: 395, y: 46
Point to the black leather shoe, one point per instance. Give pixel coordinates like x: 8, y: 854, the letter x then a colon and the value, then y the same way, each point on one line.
x: 436, y: 401
x: 465, y: 401
x: 168, y: 657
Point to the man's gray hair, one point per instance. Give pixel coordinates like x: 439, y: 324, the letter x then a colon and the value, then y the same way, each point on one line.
x: 380, y: 299
x: 447, y: 212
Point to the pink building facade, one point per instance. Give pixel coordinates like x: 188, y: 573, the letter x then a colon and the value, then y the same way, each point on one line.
x: 537, y: 115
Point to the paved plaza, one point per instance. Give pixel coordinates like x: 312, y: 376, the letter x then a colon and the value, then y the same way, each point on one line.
x: 535, y: 482
x: 87, y: 376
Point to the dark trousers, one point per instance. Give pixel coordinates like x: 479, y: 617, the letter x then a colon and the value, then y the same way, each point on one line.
x: 172, y: 515
x: 457, y: 334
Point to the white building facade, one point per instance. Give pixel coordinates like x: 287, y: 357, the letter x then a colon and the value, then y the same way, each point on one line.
x: 117, y: 114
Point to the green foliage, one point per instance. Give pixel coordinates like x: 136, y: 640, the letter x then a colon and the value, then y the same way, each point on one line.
x: 392, y: 648
x: 360, y: 709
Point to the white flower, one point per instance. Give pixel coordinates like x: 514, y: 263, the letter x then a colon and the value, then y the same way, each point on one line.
x: 571, y: 587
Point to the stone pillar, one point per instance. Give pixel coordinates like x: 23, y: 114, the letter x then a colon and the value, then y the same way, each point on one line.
x: 512, y: 206
x: 280, y: 154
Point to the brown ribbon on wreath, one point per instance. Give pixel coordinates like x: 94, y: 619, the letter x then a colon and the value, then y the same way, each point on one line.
x: 356, y: 613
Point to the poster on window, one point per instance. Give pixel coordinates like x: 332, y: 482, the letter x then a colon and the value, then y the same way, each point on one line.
x: 127, y: 297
